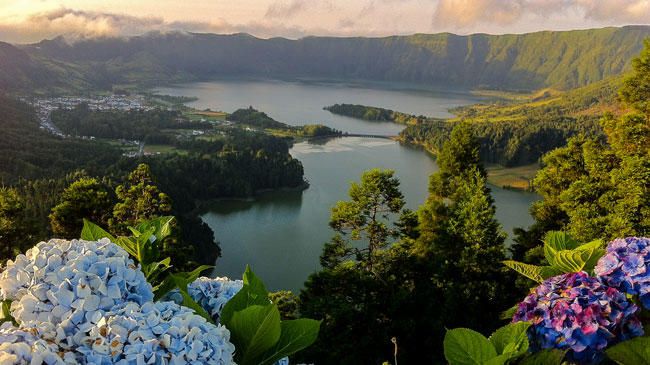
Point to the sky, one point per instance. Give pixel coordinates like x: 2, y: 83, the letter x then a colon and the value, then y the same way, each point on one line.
x: 24, y: 21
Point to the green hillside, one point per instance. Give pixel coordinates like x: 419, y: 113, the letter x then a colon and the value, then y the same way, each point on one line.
x: 518, y: 132
x: 560, y: 60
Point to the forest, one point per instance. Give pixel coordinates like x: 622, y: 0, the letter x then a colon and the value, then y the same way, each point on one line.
x: 42, y: 173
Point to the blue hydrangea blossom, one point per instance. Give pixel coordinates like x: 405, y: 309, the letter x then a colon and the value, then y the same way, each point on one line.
x: 211, y: 294
x: 576, y: 312
x: 31, y: 345
x: 626, y: 266
x: 155, y: 333
x: 71, y: 284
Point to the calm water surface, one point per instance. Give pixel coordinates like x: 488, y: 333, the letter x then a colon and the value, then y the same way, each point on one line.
x: 299, y: 103
x: 281, y: 234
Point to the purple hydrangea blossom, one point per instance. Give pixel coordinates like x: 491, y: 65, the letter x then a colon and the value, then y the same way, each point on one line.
x: 155, y: 333
x: 576, y: 312
x: 71, y: 284
x: 626, y: 266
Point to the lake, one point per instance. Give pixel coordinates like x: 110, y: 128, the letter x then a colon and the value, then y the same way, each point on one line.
x: 281, y: 234
x: 299, y: 103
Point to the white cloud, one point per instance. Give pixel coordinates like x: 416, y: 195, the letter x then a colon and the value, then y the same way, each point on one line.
x: 468, y: 14
x: 298, y: 18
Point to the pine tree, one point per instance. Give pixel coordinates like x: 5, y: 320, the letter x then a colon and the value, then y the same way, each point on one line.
x: 139, y: 199
x: 461, y: 240
x: 85, y: 198
x: 14, y: 232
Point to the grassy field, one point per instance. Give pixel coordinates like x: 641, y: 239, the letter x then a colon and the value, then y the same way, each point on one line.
x: 162, y: 149
x: 519, y: 178
x: 208, y: 115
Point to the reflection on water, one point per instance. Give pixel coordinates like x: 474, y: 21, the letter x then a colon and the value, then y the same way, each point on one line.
x: 281, y: 234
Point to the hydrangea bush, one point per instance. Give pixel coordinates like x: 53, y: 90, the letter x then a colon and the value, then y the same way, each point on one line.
x: 626, y: 266
x: 577, y: 312
x: 574, y: 315
x: 87, y: 302
x: 71, y: 282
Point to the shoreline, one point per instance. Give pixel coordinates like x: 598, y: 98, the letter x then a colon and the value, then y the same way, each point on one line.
x: 202, y: 205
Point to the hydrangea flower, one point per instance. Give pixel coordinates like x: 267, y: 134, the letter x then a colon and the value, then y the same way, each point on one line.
x: 626, y: 266
x: 155, y: 333
x: 31, y: 345
x: 211, y: 294
x: 577, y: 312
x: 71, y: 284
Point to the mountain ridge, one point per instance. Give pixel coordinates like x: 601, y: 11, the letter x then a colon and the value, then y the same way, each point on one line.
x: 515, y: 62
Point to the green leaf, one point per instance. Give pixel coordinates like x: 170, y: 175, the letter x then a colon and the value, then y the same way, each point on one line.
x: 631, y: 352
x: 576, y: 260
x: 556, y: 241
x: 296, y: 335
x: 544, y: 357
x: 535, y: 273
x: 129, y: 245
x: 593, y: 245
x: 463, y: 346
x: 254, y: 283
x: 190, y: 303
x: 5, y: 312
x: 160, y: 227
x: 511, y: 340
x: 252, y: 293
x: 509, y: 313
x: 568, y: 261
x: 93, y: 232
x: 255, y: 330
x: 499, y: 360
x: 164, y: 287
x: 194, y: 274
x: 154, y: 270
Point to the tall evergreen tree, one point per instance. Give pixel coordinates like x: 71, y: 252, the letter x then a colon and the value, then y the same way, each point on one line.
x: 461, y: 241
x: 365, y: 292
x: 14, y: 229
x: 365, y: 217
x: 139, y: 199
x: 85, y: 198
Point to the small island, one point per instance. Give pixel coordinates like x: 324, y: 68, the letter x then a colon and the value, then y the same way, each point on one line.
x: 373, y: 113
x: 258, y: 120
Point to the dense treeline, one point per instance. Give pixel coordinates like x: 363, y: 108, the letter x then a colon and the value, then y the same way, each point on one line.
x: 239, y: 165
x: 28, y: 152
x: 116, y: 124
x: 507, y: 143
